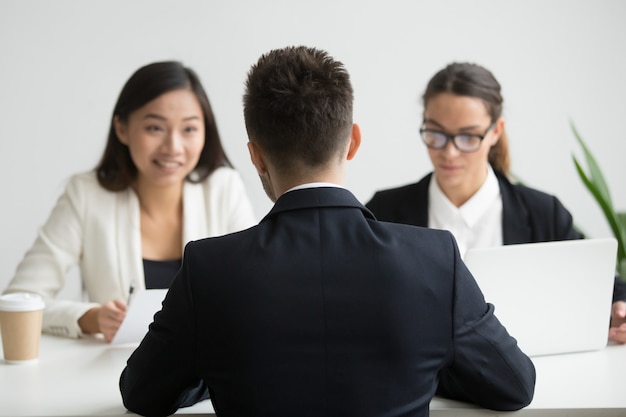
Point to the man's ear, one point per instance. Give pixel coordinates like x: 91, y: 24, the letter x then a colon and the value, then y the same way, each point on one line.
x: 256, y: 156
x: 121, y: 130
x: 355, y: 141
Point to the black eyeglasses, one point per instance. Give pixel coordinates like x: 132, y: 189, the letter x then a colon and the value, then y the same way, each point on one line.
x: 464, y: 142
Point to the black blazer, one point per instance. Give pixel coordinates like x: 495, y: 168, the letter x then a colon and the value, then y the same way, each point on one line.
x: 320, y: 310
x: 528, y: 215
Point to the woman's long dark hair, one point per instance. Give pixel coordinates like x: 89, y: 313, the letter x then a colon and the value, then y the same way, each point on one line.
x: 116, y: 170
x: 465, y: 79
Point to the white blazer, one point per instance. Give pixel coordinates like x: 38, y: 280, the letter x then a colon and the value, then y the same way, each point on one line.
x: 99, y: 231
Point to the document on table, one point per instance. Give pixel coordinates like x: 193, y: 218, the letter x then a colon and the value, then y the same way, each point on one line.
x: 140, y: 314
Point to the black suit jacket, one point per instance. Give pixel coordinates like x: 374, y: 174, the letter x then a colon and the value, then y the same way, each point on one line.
x: 528, y: 215
x: 320, y: 310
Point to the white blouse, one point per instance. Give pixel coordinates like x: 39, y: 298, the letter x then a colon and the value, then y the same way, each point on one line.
x: 477, y: 223
x: 99, y: 231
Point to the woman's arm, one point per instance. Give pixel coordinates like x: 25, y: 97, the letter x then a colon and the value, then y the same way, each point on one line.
x: 44, y: 268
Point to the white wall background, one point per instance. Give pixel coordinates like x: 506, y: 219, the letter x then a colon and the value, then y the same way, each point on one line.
x: 63, y: 63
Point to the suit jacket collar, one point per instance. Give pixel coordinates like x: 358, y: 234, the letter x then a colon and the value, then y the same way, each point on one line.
x: 320, y: 197
x: 515, y: 217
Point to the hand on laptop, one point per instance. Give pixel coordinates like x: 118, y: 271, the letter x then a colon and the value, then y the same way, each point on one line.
x: 617, y: 332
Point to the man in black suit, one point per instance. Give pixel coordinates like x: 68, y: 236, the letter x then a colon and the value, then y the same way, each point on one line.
x: 321, y: 310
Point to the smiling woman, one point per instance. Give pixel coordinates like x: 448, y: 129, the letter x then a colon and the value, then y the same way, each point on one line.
x: 165, y: 138
x: 163, y: 180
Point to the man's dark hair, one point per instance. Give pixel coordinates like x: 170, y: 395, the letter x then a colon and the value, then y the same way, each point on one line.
x: 298, y: 107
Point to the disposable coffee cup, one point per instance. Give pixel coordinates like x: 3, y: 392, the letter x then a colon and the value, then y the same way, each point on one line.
x: 21, y: 315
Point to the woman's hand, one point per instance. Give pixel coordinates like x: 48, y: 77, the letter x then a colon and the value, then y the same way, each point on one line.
x: 105, y: 319
x: 617, y: 330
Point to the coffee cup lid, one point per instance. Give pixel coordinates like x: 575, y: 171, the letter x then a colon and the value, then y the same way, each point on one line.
x: 21, y: 301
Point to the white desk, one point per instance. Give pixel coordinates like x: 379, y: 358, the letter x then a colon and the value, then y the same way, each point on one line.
x: 80, y: 378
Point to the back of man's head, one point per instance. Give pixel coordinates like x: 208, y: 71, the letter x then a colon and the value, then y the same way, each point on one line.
x: 298, y: 107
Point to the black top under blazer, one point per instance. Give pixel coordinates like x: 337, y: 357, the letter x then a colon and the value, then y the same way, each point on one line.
x: 320, y: 310
x: 528, y: 215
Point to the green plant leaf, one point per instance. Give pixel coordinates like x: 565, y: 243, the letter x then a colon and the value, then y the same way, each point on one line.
x: 607, y: 209
x: 621, y: 221
x: 621, y: 218
x: 595, y: 183
x: 595, y: 174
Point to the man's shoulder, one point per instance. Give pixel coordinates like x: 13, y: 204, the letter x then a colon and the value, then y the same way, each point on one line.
x: 226, y: 240
x: 410, y: 234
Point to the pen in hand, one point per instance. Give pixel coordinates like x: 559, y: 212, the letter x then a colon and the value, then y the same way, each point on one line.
x: 130, y: 293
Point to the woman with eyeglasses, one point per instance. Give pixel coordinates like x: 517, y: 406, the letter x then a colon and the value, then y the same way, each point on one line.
x: 469, y: 191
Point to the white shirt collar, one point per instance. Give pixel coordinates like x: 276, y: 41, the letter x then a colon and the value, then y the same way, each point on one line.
x: 313, y: 185
x: 477, y: 223
x: 473, y: 209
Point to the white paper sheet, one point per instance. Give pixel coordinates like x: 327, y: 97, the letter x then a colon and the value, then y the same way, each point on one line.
x: 140, y: 314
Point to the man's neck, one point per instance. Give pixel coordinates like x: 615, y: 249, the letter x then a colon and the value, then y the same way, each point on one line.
x: 329, y: 177
x: 314, y: 185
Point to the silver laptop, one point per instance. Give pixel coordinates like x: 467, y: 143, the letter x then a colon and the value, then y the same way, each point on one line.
x: 553, y: 297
